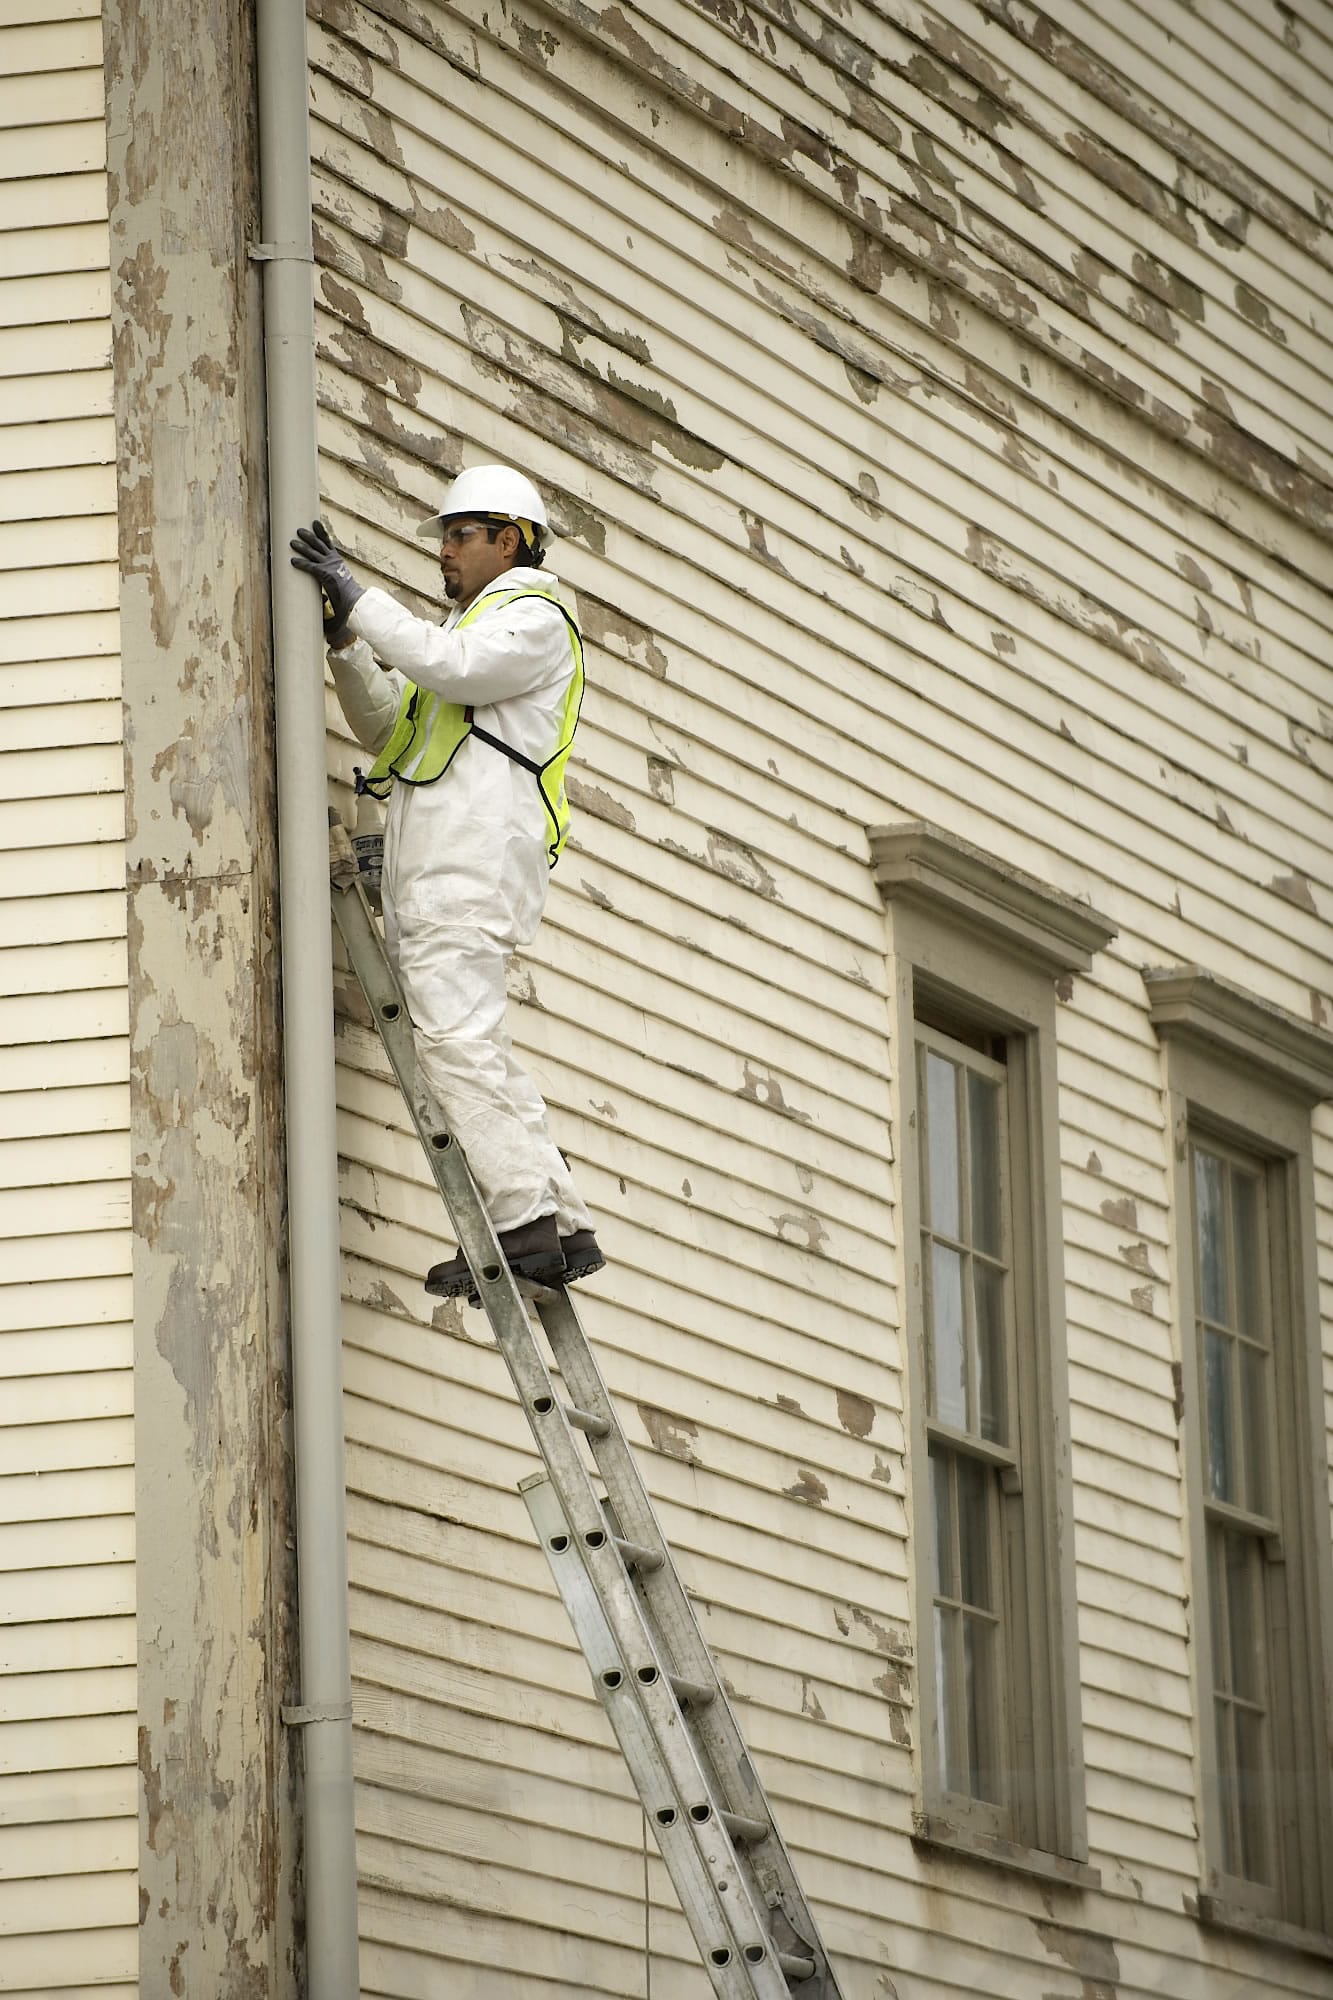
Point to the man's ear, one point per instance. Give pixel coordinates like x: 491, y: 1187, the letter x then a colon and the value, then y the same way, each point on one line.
x: 512, y: 549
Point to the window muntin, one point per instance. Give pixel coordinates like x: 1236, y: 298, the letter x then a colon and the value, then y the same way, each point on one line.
x: 1233, y: 1262
x: 967, y: 1294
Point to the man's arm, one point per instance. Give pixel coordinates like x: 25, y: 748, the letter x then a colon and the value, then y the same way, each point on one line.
x: 510, y: 650
x: 368, y: 697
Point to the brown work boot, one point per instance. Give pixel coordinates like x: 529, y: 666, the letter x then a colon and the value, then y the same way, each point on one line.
x: 582, y: 1257
x: 531, y: 1251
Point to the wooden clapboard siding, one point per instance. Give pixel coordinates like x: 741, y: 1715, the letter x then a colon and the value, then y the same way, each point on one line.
x: 68, y: 1812
x: 935, y: 402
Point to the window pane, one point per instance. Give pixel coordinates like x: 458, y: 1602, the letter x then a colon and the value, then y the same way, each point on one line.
x: 1247, y: 1255
x: 992, y: 1351
x: 974, y: 1493
x: 1254, y: 1389
x: 942, y: 1145
x: 946, y: 1580
x: 1238, y: 1593
x: 1245, y: 1617
x: 948, y: 1675
x: 1252, y: 1794
x: 1210, y: 1222
x: 1227, y: 1791
x: 1221, y: 1417
x: 1217, y: 1605
x: 948, y: 1352
x: 983, y: 1110
x: 982, y: 1698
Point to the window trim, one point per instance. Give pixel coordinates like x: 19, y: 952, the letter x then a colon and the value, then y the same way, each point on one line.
x: 1249, y: 1075
x: 986, y: 941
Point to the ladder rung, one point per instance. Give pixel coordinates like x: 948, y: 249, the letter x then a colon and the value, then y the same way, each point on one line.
x: 796, y: 1968
x: 744, y: 1830
x: 635, y: 1556
x: 697, y: 1693
x: 529, y: 1289
x: 584, y: 1420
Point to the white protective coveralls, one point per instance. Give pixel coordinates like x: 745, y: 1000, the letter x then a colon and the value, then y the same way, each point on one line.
x: 466, y: 867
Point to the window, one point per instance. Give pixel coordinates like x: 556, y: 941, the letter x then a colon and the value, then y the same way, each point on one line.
x: 977, y: 950
x: 1242, y: 1080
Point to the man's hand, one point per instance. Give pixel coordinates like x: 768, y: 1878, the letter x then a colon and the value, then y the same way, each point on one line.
x: 313, y: 551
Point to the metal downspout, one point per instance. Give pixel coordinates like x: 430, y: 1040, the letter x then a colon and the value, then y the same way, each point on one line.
x: 325, y: 1710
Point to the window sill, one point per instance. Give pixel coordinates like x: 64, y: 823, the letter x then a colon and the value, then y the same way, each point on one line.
x: 1224, y: 1916
x: 932, y: 1833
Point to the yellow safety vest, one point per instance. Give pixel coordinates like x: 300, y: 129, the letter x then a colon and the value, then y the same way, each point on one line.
x: 433, y: 730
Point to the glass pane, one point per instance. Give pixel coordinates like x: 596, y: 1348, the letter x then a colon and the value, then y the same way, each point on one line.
x: 974, y: 1484
x: 1217, y: 1606
x: 1252, y: 1794
x: 942, y: 1145
x: 983, y: 1112
x: 1254, y: 1420
x: 1210, y: 1222
x: 946, y: 1679
x: 947, y: 1349
x: 1245, y: 1617
x: 946, y: 1580
x: 982, y: 1700
x: 1224, y: 1721
x: 992, y: 1351
x: 1248, y: 1253
x: 1221, y: 1417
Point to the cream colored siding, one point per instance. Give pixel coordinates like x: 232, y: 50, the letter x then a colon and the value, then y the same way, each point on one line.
x: 68, y: 1826
x: 934, y: 403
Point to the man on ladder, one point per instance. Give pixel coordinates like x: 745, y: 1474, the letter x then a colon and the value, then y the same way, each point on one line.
x: 471, y: 725
x: 462, y: 887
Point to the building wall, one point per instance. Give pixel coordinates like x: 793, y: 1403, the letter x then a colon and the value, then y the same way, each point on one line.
x: 68, y: 1906
x: 933, y: 402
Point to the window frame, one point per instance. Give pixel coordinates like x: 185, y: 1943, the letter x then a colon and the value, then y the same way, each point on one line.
x: 1245, y: 1077
x: 978, y: 944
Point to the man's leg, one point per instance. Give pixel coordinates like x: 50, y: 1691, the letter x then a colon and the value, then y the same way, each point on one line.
x: 577, y: 1242
x: 570, y: 1211
x: 454, y: 985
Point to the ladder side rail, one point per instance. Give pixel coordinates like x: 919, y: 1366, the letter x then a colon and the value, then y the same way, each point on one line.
x: 733, y: 1976
x: 667, y: 1598
x: 694, y: 1782
x: 619, y: 1468
x: 714, y: 1722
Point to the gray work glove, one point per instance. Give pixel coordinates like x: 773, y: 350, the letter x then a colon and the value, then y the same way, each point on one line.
x: 313, y: 551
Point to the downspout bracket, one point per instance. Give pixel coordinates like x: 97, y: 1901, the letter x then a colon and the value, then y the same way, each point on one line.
x: 269, y: 253
x: 316, y: 1711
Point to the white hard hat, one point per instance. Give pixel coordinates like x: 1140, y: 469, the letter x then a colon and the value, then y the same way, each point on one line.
x: 490, y: 489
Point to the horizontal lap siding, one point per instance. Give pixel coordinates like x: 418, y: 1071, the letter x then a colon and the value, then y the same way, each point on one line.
x: 68, y: 1812
x: 934, y: 405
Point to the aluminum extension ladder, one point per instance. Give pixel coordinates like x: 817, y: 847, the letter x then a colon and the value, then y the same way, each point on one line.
x: 651, y: 1668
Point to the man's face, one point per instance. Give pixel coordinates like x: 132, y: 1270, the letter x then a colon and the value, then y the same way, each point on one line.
x: 469, y: 559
